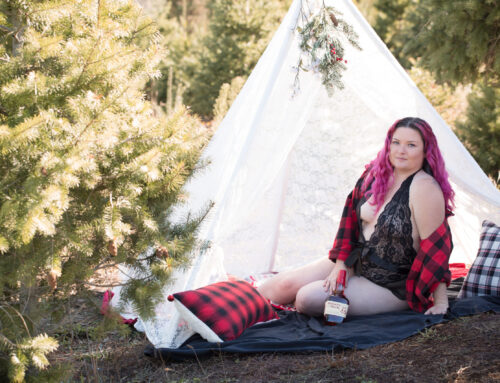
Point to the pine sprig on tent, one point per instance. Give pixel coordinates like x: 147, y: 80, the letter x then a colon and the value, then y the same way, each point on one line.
x: 322, y: 40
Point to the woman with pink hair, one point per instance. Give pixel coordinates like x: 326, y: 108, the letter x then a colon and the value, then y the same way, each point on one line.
x: 393, y: 239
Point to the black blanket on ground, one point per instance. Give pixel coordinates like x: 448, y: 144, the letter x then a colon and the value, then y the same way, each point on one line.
x: 295, y: 332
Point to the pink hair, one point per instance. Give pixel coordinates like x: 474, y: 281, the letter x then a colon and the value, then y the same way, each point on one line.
x: 380, y: 170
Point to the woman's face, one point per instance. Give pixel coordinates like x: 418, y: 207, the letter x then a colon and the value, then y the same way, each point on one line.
x: 407, y: 150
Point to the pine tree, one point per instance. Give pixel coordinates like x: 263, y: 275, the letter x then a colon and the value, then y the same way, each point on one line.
x: 239, y: 31
x: 449, y: 101
x: 227, y: 95
x: 88, y: 174
x: 393, y: 25
x: 193, y: 13
x: 457, y: 40
x: 182, y: 25
x: 480, y: 132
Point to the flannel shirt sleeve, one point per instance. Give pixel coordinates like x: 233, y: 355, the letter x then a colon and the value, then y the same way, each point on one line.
x: 429, y: 268
x: 348, y: 231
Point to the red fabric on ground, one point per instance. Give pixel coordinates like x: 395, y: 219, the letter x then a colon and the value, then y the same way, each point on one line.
x: 108, y: 295
x: 458, y: 270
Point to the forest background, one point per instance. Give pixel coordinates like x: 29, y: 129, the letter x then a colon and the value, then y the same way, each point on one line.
x: 105, y: 108
x: 450, y: 50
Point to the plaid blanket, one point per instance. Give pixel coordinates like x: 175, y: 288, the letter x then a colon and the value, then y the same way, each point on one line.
x: 430, y: 266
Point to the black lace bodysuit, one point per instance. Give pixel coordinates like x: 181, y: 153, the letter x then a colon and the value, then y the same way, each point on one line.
x: 386, y: 258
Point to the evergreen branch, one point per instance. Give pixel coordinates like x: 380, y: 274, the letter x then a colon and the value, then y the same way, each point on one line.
x: 77, y: 83
x: 45, y: 46
x: 177, y: 173
x: 12, y: 31
x: 120, y: 54
x: 141, y: 29
x: 7, y: 29
x: 7, y: 341
x: 27, y: 69
x: 421, y: 30
x: 86, y: 283
x: 104, y: 265
x: 18, y: 314
x: 91, y: 194
x: 491, y: 53
x: 27, y: 300
x: 16, y: 181
x: 321, y: 43
x: 94, y: 118
x: 146, y: 278
x: 40, y: 10
x: 35, y: 125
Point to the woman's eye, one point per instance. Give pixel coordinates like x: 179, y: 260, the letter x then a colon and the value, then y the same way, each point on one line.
x: 411, y: 145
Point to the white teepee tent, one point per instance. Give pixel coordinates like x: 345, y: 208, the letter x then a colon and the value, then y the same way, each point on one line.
x: 281, y: 167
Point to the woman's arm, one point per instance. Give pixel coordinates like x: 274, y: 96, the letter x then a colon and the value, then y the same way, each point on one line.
x: 440, y: 301
x: 428, y: 207
x: 427, y: 203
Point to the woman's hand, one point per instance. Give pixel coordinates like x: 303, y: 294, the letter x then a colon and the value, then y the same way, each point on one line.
x: 438, y: 308
x: 440, y: 301
x: 330, y: 282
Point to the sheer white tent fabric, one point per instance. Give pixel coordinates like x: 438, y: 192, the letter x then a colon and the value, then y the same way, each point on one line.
x: 281, y: 166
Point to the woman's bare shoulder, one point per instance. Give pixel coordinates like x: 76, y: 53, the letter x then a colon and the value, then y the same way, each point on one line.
x: 425, y: 185
x: 427, y: 202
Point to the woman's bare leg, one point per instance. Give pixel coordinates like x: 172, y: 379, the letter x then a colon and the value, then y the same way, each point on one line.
x: 311, y: 299
x: 365, y: 297
x: 283, y: 287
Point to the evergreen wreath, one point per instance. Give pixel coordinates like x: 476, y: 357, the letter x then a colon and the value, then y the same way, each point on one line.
x: 321, y: 41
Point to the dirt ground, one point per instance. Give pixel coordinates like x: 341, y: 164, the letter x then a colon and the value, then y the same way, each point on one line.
x: 464, y: 350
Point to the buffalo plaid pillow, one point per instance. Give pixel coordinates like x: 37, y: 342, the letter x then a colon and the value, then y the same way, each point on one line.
x: 484, y: 275
x: 222, y: 311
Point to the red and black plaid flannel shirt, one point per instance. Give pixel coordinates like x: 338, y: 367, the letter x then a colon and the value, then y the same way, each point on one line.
x: 429, y: 268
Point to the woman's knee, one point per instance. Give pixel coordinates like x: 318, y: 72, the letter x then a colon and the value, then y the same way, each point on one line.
x: 284, y: 287
x: 311, y: 299
x: 280, y: 289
